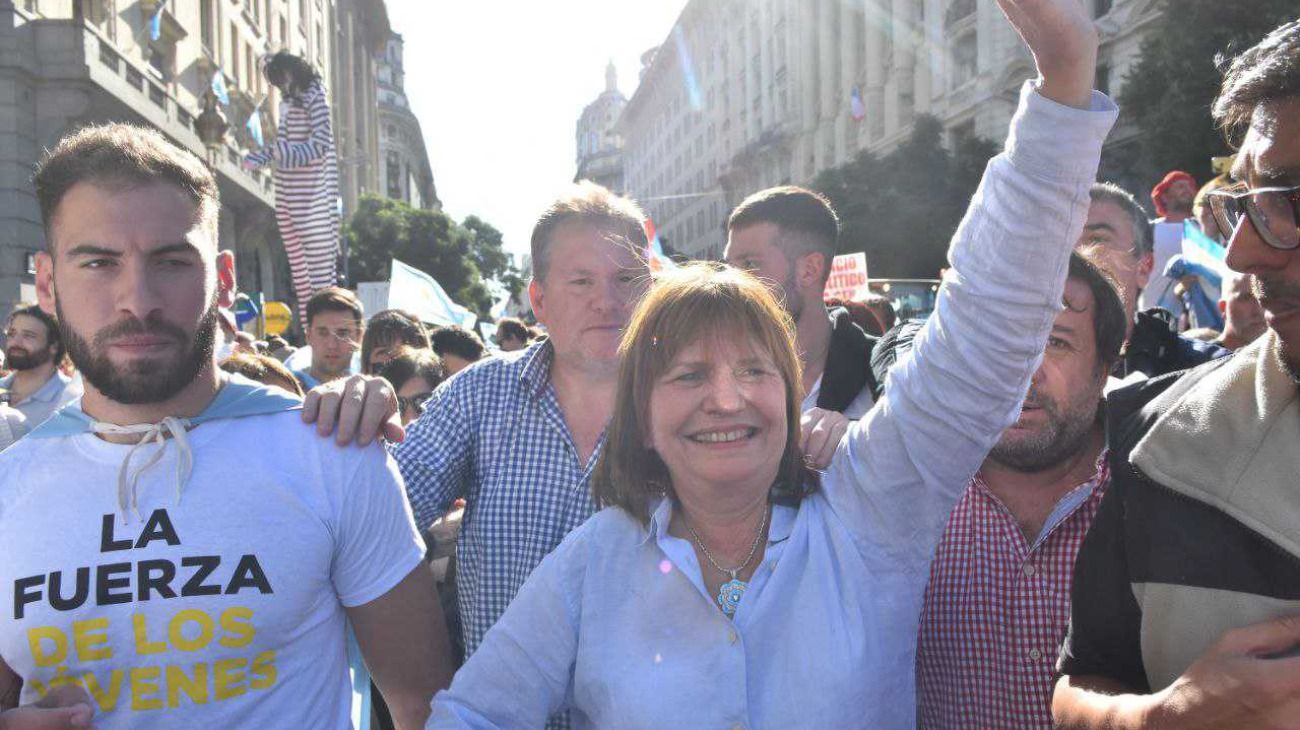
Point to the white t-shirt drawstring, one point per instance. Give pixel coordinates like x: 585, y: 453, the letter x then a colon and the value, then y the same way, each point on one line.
x: 128, y: 482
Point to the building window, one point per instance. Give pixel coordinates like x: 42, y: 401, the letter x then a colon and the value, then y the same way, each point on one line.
x: 1103, y: 79
x: 234, y: 52
x: 965, y: 58
x: 1101, y: 7
x: 206, y: 27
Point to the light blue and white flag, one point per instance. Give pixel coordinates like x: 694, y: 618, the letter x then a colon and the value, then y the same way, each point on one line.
x: 155, y: 23
x: 219, y: 87
x: 254, y: 125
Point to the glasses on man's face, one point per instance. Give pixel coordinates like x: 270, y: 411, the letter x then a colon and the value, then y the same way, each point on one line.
x: 345, y: 335
x: 1274, y: 212
x: 414, y: 402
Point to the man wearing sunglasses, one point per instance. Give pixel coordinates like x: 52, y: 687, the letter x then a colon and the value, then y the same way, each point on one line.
x: 1186, y: 596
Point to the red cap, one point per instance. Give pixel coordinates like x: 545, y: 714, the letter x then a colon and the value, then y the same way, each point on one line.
x: 1158, y: 191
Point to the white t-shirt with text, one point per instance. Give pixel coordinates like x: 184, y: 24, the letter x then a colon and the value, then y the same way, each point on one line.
x: 223, y: 608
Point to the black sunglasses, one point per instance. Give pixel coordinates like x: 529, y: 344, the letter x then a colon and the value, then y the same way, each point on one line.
x: 1274, y: 212
x: 414, y: 402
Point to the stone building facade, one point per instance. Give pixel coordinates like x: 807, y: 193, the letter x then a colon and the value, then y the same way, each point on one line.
x: 599, y: 145
x: 69, y: 63
x: 405, y: 172
x: 745, y: 94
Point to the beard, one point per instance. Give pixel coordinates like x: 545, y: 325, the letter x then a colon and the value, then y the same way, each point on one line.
x: 20, y: 359
x: 1065, y: 434
x: 143, y: 380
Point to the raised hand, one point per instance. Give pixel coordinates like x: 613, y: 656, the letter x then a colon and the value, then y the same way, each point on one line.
x: 1063, y: 39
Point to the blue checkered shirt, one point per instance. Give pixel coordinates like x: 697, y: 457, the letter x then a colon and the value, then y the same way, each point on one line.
x: 495, y: 435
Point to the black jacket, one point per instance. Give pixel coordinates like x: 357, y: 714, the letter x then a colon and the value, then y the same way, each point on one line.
x: 848, y: 363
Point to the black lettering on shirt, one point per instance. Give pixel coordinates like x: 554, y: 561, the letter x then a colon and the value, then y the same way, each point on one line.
x: 155, y: 575
x: 248, y: 574
x: 195, y: 586
x: 109, y: 578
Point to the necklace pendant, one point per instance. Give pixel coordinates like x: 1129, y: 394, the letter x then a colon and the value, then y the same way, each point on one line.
x: 729, y: 595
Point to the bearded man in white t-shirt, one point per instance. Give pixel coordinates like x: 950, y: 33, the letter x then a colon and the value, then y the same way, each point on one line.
x: 178, y: 544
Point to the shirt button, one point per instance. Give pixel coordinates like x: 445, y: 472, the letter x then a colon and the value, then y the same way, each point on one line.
x: 1035, y: 654
x: 737, y: 726
x: 1029, y: 569
x: 731, y: 636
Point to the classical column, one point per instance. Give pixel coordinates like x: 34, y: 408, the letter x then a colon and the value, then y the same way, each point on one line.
x: 873, y: 95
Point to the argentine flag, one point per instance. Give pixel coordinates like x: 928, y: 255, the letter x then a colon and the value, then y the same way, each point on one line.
x: 155, y: 23
x: 219, y: 87
x: 254, y: 125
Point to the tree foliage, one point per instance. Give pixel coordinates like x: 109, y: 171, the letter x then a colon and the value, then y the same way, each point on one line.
x: 901, y: 209
x: 1168, y: 93
x: 383, y: 229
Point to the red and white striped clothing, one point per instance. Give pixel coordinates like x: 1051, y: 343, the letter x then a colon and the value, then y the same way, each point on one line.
x: 996, y: 609
x: 306, y: 191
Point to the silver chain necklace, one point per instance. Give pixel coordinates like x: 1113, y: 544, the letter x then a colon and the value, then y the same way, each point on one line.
x: 730, y: 593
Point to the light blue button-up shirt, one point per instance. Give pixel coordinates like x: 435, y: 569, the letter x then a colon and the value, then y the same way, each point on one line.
x: 56, y: 393
x: 616, y: 623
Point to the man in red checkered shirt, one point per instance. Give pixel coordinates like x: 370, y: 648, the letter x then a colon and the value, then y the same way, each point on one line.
x: 998, y: 599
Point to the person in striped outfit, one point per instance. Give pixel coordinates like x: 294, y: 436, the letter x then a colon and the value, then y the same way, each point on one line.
x: 306, y: 175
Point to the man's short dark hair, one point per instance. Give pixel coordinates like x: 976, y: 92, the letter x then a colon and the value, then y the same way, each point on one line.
x: 410, y: 363
x: 1111, y: 193
x: 334, y: 299
x: 1109, y: 323
x: 1269, y: 70
x: 52, y: 335
x: 122, y: 155
x: 392, y: 327
x: 512, y: 328
x: 457, y: 341
x: 806, y: 219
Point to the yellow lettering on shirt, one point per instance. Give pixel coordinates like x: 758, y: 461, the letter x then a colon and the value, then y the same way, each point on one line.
x: 264, y: 670
x: 107, y: 701
x: 239, y: 632
x: 49, y: 645
x: 229, y: 678
x: 196, y: 688
x: 143, y: 645
x: 85, y: 641
x: 144, y: 688
x: 177, y: 636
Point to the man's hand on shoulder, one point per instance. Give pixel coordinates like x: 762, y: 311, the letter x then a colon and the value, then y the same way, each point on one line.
x: 358, y: 408
x: 64, y: 708
x: 821, y: 431
x: 1061, y: 36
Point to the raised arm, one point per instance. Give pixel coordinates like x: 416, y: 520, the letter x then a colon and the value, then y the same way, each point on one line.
x: 299, y: 154
x: 900, y: 470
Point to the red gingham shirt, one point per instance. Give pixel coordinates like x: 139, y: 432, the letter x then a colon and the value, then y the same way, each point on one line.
x: 996, y: 610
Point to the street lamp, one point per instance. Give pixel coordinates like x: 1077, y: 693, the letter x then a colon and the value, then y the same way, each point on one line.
x: 211, y: 126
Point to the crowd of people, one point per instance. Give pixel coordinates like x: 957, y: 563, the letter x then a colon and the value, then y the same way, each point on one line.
x: 702, y: 497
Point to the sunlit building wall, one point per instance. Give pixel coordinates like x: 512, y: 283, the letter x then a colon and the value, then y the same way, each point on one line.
x: 599, y: 145
x: 745, y: 94
x: 405, y: 172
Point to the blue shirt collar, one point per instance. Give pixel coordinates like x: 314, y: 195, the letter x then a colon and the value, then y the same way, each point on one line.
x: 47, y: 393
x: 537, y: 367
x: 239, y: 397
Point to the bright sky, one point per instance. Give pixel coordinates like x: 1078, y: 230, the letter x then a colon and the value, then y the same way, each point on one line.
x: 498, y: 87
